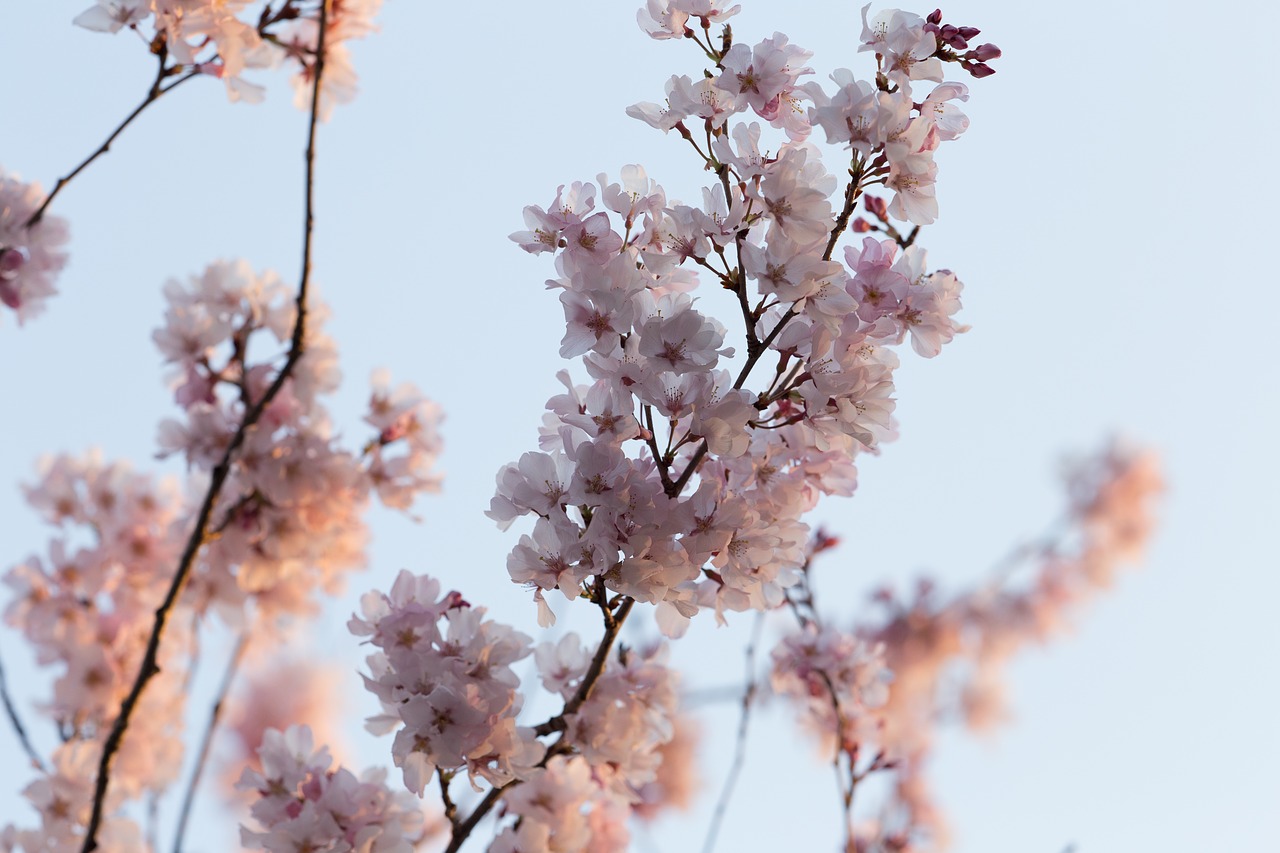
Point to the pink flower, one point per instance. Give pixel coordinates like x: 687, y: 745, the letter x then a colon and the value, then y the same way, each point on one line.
x: 30, y: 257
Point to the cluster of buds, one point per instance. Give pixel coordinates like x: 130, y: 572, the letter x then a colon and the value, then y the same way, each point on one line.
x: 975, y: 59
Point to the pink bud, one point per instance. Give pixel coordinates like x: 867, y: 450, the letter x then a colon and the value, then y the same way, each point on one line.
x: 9, y: 295
x: 11, y: 260
x: 985, y: 52
x: 935, y: 17
x: 981, y: 70
x: 860, y: 226
x: 968, y: 32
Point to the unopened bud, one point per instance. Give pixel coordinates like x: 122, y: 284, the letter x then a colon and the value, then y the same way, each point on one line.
x: 876, y: 206
x: 968, y: 32
x: 860, y: 226
x: 935, y: 17
x: 985, y: 52
x: 9, y: 295
x: 11, y: 261
x: 981, y: 70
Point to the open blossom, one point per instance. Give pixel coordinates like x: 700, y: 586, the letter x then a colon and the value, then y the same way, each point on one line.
x: 627, y: 719
x: 449, y: 689
x: 408, y: 444
x: 290, y: 515
x: 30, y: 257
x: 906, y: 46
x: 225, y: 38
x: 274, y: 696
x: 840, y: 681
x: 765, y: 77
x: 63, y: 798
x: 304, y: 805
x: 207, y: 35
x: 562, y: 808
x: 90, y: 608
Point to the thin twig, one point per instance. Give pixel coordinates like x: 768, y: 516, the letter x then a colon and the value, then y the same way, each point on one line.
x: 740, y: 747
x: 215, y: 714
x: 18, y: 728
x: 221, y: 471
x: 154, y: 94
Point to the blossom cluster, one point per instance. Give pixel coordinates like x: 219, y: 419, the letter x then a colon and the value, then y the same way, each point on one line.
x: 625, y: 720
x: 289, y: 517
x: 753, y: 462
x: 286, y: 524
x: 31, y: 253
x: 562, y: 808
x: 839, y: 680
x: 451, y: 692
x: 224, y: 39
x: 63, y: 797
x: 947, y: 656
x: 675, y: 476
x: 88, y: 608
x: 303, y: 805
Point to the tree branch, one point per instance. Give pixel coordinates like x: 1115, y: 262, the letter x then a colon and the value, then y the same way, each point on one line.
x: 559, y: 723
x: 740, y: 746
x: 189, y: 796
x: 221, y: 471
x: 154, y: 94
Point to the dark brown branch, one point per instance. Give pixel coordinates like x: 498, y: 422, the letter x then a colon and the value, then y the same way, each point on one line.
x: 154, y: 94
x: 221, y: 471
x: 463, y: 830
x: 613, y: 624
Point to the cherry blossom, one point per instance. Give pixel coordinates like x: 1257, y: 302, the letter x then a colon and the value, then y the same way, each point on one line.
x: 31, y: 253
x: 737, y: 353
x: 303, y: 805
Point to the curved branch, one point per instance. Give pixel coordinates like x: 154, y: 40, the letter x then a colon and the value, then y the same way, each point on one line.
x: 221, y: 471
x: 154, y: 94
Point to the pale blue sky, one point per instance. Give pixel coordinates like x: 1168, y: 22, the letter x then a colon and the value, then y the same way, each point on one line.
x: 1111, y: 212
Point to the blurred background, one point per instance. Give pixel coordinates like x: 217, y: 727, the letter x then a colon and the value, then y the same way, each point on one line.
x: 1110, y: 210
